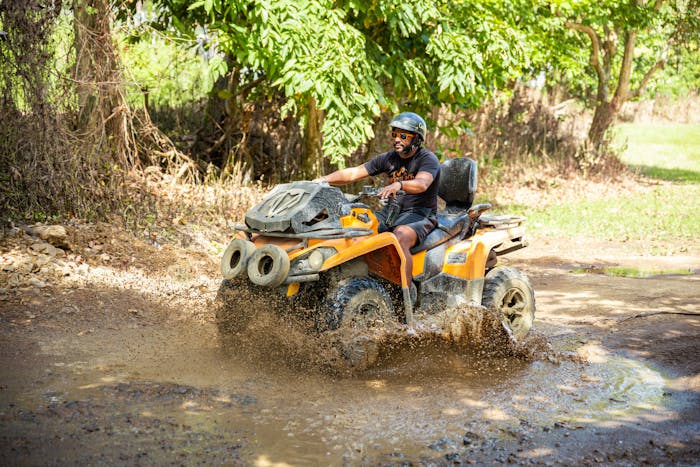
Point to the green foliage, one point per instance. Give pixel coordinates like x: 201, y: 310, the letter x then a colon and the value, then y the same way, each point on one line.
x: 668, y: 33
x: 172, y: 73
x: 357, y: 59
x: 681, y: 77
x: 668, y: 212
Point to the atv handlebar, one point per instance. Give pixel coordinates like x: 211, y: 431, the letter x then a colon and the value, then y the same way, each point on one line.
x: 369, y: 190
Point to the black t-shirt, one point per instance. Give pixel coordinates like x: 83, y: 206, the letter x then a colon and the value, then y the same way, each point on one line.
x: 397, y: 169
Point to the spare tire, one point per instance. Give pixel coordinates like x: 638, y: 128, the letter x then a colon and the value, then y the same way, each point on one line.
x: 268, y: 266
x: 235, y: 258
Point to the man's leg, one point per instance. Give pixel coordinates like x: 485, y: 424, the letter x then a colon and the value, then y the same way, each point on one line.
x: 407, y: 237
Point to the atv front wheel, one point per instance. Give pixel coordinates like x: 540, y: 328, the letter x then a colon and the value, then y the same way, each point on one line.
x: 509, y: 291
x: 355, y: 307
x: 356, y: 303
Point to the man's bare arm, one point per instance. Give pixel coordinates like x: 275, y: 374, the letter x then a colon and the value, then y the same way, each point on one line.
x: 344, y: 176
x: 417, y: 185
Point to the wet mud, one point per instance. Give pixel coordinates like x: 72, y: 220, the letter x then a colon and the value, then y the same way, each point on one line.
x: 147, y: 390
x: 264, y: 329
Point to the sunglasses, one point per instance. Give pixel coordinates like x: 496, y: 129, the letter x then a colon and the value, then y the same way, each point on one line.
x: 401, y: 135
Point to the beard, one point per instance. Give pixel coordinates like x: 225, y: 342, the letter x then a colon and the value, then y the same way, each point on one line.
x: 402, y: 148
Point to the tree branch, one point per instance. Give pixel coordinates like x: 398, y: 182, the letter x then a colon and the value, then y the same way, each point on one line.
x: 660, y: 312
x: 623, y: 83
x: 647, y: 76
x: 595, y: 48
x: 610, y: 47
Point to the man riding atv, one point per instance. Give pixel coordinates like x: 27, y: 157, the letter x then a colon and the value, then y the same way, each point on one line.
x: 411, y: 168
x: 326, y: 259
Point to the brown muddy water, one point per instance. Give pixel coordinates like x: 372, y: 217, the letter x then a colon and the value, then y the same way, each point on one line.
x: 264, y: 399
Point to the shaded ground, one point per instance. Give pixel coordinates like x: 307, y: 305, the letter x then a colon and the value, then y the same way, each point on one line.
x: 109, y: 353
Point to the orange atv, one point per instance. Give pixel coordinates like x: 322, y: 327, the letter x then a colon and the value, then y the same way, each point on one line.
x: 309, y: 248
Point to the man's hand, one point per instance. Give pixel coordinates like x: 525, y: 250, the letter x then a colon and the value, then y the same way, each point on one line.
x: 390, y: 190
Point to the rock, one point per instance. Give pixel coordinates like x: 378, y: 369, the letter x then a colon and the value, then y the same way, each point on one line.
x: 441, y: 444
x: 56, y: 235
x: 14, y: 281
x: 39, y: 284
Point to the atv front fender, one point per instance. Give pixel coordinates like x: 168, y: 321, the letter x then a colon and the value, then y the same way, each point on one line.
x: 384, y: 258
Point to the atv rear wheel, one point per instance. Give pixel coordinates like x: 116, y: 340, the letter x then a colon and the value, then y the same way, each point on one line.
x: 509, y: 291
x: 356, y: 303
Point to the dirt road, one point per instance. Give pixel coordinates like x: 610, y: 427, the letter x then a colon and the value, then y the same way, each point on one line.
x: 109, y: 354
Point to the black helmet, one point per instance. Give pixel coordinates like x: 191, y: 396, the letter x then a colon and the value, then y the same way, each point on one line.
x: 410, y: 121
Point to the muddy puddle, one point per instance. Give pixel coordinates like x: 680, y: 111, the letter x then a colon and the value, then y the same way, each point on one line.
x: 264, y: 400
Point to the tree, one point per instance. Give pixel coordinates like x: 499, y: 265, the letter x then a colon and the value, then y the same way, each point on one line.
x: 340, y: 64
x: 627, y: 43
x: 103, y: 118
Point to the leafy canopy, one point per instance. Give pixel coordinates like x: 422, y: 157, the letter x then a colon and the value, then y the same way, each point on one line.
x: 665, y: 32
x: 358, y: 58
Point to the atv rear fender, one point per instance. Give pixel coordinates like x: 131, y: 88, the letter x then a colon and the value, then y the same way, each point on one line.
x: 467, y: 259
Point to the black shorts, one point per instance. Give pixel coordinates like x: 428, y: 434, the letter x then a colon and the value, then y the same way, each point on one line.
x: 421, y: 220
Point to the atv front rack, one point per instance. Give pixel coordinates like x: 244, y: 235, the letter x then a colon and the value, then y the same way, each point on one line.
x: 322, y: 234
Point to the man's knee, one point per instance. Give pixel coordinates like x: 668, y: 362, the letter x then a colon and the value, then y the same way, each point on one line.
x: 406, y: 236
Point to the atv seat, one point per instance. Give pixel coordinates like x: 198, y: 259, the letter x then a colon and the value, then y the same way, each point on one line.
x: 457, y: 187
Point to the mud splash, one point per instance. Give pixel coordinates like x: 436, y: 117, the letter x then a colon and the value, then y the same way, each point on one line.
x: 454, y: 384
x: 436, y: 395
x: 279, y: 335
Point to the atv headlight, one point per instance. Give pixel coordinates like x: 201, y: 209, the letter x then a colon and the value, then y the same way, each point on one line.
x: 316, y: 260
x: 311, y: 262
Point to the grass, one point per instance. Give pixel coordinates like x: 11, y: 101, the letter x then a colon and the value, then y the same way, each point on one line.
x: 668, y: 152
x: 666, y: 212
x: 621, y: 271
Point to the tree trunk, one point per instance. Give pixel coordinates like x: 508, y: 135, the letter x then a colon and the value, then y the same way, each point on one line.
x: 606, y: 111
x: 312, y: 156
x: 603, y: 118
x: 103, y: 118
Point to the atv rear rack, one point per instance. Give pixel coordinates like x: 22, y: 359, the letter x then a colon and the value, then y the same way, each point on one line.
x: 501, y: 222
